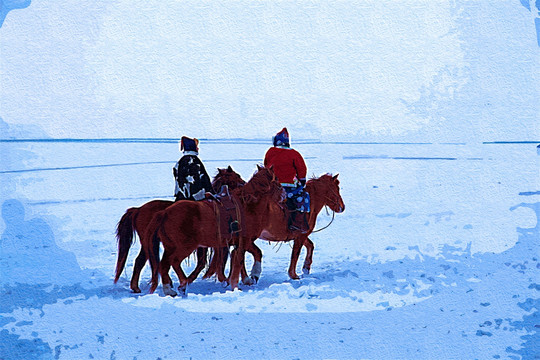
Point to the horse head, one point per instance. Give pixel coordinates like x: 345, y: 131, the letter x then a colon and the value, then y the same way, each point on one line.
x: 264, y: 184
x: 331, y: 193
x: 227, y: 177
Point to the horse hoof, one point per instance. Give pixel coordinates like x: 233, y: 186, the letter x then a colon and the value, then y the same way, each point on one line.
x: 247, y: 281
x: 224, y: 284
x: 168, y: 290
x: 182, y: 291
x: 305, y: 271
x: 136, y: 291
x: 255, y: 279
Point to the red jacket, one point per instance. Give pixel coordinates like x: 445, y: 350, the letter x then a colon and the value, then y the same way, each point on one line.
x: 287, y: 163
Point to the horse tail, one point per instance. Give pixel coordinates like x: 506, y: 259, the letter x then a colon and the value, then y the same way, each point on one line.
x: 152, y: 246
x: 124, y: 235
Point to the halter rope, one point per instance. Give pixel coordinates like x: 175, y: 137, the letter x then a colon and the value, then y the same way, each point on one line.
x: 331, y: 221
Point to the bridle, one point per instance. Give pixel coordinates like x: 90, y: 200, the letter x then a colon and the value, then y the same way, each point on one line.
x: 335, y: 202
x: 332, y: 199
x: 331, y: 221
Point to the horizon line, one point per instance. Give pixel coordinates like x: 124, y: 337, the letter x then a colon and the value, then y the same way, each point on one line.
x: 306, y: 141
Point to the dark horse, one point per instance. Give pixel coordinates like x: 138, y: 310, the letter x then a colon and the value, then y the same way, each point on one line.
x: 187, y: 225
x: 136, y: 219
x: 323, y: 191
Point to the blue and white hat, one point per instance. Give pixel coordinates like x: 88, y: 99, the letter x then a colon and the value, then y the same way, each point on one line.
x: 282, y: 138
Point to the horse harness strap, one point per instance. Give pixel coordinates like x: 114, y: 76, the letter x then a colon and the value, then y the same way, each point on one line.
x: 228, y: 215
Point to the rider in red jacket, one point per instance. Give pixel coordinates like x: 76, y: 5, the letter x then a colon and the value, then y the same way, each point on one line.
x: 288, y: 164
x: 290, y: 169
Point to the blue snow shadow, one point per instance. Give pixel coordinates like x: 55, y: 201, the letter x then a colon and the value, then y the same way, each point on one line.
x: 455, y: 273
x: 34, y: 297
x: 34, y: 271
x: 529, y: 241
x: 7, y: 5
x: 29, y: 253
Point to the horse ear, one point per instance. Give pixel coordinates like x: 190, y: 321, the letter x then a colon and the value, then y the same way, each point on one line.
x: 229, y: 169
x: 259, y: 168
x: 335, y: 177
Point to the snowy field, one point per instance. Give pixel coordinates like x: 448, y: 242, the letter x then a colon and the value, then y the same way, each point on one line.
x: 435, y: 256
x: 427, y: 109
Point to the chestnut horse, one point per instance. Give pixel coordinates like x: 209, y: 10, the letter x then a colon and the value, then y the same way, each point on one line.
x: 136, y: 219
x: 187, y: 225
x: 323, y: 191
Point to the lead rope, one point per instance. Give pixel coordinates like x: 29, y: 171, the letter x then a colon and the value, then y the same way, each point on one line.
x: 331, y: 221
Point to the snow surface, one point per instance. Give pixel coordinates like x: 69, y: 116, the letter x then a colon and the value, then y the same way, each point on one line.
x: 428, y: 110
x: 436, y: 255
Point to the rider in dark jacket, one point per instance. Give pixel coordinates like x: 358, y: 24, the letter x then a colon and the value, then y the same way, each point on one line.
x: 192, y: 180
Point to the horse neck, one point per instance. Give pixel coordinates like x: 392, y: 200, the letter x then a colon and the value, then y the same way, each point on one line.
x: 316, y: 196
x: 242, y: 192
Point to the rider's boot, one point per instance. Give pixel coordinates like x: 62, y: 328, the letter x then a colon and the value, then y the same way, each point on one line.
x: 298, y: 222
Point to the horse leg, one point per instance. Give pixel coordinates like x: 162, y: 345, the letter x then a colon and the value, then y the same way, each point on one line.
x: 246, y: 280
x: 212, y: 267
x: 237, y: 262
x: 139, y: 264
x: 221, y: 260
x: 309, y: 255
x: 164, y: 268
x: 201, y: 262
x: 294, y: 257
x: 182, y: 288
x: 221, y: 270
x: 177, y: 266
x: 216, y: 267
x: 256, y: 269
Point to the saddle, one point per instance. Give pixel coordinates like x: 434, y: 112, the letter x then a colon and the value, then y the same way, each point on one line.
x: 228, y: 213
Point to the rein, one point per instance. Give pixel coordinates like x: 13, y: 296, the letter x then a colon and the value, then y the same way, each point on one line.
x: 331, y: 221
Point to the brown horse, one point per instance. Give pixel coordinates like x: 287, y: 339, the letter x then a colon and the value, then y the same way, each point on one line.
x: 187, y: 225
x: 136, y: 219
x: 323, y: 191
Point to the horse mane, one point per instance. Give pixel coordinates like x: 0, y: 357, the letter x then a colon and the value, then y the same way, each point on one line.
x: 249, y: 193
x: 313, y: 180
x: 313, y: 177
x: 217, y: 182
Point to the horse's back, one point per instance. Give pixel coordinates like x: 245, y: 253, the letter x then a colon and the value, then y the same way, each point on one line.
x: 147, y: 212
x: 194, y: 221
